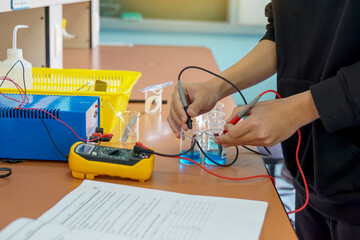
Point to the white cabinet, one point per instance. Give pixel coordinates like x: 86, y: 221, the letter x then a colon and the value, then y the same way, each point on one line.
x: 42, y: 43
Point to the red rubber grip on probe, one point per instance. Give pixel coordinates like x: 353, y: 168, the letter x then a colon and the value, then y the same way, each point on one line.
x: 233, y: 122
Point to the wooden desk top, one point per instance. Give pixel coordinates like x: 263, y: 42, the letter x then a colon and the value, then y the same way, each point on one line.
x: 35, y: 186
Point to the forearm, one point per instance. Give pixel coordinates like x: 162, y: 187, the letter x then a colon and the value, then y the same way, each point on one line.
x: 302, y: 108
x: 255, y: 67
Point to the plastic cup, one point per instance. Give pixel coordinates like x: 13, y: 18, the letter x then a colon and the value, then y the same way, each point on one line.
x: 186, y: 141
x: 213, y: 150
x: 199, y: 123
x: 213, y: 123
x: 128, y: 126
x: 219, y: 107
x: 216, y: 115
x: 153, y: 101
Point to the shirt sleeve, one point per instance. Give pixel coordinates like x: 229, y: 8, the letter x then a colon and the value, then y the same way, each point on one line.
x: 337, y: 99
x: 270, y: 33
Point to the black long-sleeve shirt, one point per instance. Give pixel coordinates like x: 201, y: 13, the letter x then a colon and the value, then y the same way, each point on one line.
x: 318, y: 48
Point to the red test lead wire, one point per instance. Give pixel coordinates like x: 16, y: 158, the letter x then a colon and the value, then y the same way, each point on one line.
x: 297, y: 162
x: 243, y: 112
x: 25, y: 101
x: 81, y: 139
x: 228, y: 178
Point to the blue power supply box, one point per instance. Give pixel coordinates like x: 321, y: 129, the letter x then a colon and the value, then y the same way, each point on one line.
x: 33, y: 134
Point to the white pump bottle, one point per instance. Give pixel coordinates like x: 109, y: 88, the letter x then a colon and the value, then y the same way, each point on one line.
x: 15, y: 55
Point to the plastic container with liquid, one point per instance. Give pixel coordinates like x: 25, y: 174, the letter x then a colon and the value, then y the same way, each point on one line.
x: 15, y: 67
x: 186, y: 141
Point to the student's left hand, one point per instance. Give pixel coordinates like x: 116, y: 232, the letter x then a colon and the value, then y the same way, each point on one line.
x: 270, y: 122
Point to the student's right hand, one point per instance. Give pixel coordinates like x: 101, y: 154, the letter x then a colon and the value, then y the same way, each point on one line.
x: 201, y: 98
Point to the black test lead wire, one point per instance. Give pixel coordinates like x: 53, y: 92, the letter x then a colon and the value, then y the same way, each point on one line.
x: 8, y: 170
x: 195, y: 142
x: 234, y: 86
x: 23, y: 68
x: 42, y: 120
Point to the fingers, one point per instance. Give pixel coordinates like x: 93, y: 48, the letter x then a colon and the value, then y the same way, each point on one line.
x: 200, y: 97
x: 227, y: 141
x: 174, y: 127
x: 245, y: 133
x: 195, y: 107
x: 239, y: 129
x: 177, y: 116
x: 242, y: 133
x: 235, y: 113
x: 191, y: 111
x: 177, y: 108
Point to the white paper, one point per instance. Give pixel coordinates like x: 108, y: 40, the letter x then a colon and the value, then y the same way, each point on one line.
x: 25, y: 228
x: 139, y: 213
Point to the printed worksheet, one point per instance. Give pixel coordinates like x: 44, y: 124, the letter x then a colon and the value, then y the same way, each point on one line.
x: 123, y: 212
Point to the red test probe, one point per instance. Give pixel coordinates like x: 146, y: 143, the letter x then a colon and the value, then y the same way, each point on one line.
x: 244, y: 111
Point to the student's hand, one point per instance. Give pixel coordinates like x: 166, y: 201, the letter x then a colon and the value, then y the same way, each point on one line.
x: 270, y: 122
x: 201, y: 98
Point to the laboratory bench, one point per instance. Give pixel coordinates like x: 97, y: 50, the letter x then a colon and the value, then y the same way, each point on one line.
x: 35, y: 186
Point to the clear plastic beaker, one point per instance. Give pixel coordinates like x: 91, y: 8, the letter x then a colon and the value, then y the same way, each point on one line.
x: 199, y: 123
x: 215, y: 115
x: 214, y: 123
x: 218, y: 107
x: 153, y: 101
x: 128, y: 126
x: 214, y: 151
x: 186, y: 141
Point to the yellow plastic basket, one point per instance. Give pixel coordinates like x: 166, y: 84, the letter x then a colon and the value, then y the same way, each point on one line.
x: 79, y: 82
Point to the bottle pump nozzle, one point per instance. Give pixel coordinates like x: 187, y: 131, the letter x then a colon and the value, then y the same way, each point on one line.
x: 15, y: 33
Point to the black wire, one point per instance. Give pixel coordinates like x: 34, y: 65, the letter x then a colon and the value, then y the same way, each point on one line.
x: 234, y: 86
x: 268, y: 151
x: 221, y: 165
x: 23, y: 68
x: 48, y: 132
x: 285, y: 188
x: 178, y: 155
x: 208, y: 71
x: 52, y: 140
x: 42, y: 120
x: 262, y: 154
x: 193, y: 142
x: 6, y: 174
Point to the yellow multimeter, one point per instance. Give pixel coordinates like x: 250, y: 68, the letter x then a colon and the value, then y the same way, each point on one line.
x: 89, y: 160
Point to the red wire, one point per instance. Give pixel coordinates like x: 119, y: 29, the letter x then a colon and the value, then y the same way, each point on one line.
x: 297, y: 162
x: 84, y: 140
x: 38, y: 109
x: 229, y: 178
x: 273, y: 91
x: 302, y: 175
x: 21, y: 92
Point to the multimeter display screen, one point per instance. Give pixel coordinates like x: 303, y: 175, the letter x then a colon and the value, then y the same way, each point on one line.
x: 85, y: 148
x: 108, y: 154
